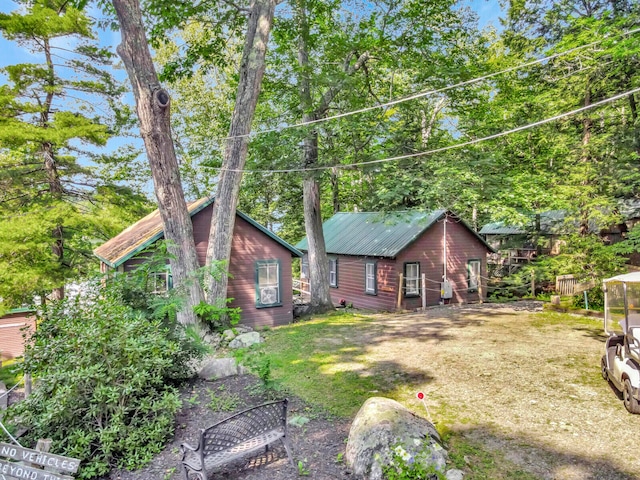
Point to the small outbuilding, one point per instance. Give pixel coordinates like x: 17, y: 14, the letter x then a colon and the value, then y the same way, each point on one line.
x: 402, y: 260
x: 260, y: 262
x: 15, y: 326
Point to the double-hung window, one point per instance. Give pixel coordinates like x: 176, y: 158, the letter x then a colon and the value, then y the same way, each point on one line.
x: 412, y: 279
x: 268, y: 283
x: 370, y: 278
x: 473, y: 275
x: 333, y: 272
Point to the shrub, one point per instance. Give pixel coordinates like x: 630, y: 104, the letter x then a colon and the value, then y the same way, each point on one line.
x: 595, y: 296
x: 104, y: 375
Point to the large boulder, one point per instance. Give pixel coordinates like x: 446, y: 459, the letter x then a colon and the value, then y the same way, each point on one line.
x: 383, y: 427
x: 216, y: 368
x: 245, y: 340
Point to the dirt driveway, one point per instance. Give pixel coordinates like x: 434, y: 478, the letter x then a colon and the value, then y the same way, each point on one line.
x: 524, y: 384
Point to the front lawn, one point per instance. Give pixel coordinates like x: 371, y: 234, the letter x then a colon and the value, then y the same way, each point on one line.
x: 515, y: 394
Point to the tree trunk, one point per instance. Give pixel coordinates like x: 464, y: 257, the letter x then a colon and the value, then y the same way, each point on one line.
x: 335, y: 189
x: 252, y: 68
x: 152, y: 106
x: 320, y: 298
x: 50, y: 167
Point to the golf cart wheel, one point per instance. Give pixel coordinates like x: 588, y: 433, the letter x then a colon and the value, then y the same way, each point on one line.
x: 603, y: 368
x: 630, y: 403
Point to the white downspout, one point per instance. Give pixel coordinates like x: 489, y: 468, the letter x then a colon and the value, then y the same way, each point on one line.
x: 444, y: 248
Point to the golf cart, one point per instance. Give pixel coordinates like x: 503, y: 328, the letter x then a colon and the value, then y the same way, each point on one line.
x: 621, y: 361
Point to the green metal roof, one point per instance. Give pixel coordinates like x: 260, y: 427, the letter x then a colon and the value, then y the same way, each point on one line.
x: 551, y: 223
x: 499, y: 228
x: 375, y: 234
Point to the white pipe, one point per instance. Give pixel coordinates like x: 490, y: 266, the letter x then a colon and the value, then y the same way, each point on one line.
x: 444, y: 248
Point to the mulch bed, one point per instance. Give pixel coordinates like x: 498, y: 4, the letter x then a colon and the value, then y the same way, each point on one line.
x: 319, y: 444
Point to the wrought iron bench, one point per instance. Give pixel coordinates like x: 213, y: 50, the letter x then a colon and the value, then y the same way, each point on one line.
x: 239, y: 435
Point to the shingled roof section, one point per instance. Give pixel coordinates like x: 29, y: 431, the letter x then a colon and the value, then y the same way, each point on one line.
x: 140, y: 235
x: 143, y: 233
x: 376, y: 234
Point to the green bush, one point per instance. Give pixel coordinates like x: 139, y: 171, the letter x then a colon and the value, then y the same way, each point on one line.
x: 105, y: 373
x: 595, y: 296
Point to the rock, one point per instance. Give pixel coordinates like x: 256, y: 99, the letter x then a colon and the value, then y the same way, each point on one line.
x: 300, y: 310
x: 454, y: 474
x: 213, y: 339
x: 228, y: 335
x: 245, y: 340
x: 555, y: 299
x: 380, y: 426
x: 216, y: 368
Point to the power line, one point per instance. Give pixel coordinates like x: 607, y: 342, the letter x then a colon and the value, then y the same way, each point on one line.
x: 449, y: 147
x: 420, y: 94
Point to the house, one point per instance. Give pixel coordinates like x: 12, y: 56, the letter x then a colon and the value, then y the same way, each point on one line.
x: 260, y: 262
x: 14, y: 325
x: 403, y: 260
x: 543, y: 235
x: 520, y: 244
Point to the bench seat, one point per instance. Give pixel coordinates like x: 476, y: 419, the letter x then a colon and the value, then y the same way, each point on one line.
x: 240, y: 435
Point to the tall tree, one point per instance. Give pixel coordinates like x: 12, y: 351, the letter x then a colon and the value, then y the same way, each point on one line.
x: 153, y: 108
x: 48, y: 112
x: 252, y: 67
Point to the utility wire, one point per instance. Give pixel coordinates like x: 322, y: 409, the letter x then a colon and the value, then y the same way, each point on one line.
x: 449, y: 147
x: 423, y: 94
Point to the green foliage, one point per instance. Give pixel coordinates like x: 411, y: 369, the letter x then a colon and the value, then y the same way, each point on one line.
x: 260, y: 364
x: 629, y: 245
x: 105, y: 372
x: 220, y: 401
x: 55, y: 119
x: 595, y: 297
x: 10, y: 373
x: 303, y: 471
x: 405, y: 465
x: 218, y: 318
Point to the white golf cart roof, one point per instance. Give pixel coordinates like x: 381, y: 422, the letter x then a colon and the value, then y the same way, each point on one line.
x: 633, y: 277
x: 622, y: 303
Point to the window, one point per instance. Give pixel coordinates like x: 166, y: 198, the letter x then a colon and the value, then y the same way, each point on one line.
x: 333, y: 272
x: 412, y: 279
x: 473, y: 275
x: 268, y: 283
x: 160, y: 282
x: 370, y: 278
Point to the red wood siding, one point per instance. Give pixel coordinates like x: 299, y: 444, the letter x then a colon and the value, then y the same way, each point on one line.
x: 11, y: 339
x: 351, y: 283
x: 462, y: 246
x: 249, y: 245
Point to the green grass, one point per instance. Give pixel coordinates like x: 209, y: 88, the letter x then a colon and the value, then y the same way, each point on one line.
x: 550, y: 318
x: 325, y: 362
x: 8, y: 375
x: 319, y: 371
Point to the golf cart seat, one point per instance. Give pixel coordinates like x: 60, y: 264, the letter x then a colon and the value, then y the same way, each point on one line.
x: 633, y: 342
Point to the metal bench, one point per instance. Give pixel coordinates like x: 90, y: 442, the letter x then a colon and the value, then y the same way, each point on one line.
x: 240, y: 435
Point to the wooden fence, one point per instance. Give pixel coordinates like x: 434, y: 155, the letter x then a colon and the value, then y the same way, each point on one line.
x: 569, y: 285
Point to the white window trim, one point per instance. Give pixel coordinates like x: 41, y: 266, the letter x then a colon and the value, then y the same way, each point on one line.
x: 371, y: 288
x: 413, y: 280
